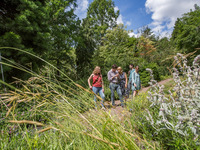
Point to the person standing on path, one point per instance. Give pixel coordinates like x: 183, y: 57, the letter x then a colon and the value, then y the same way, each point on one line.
x: 131, y: 66
x: 136, y: 82
x: 122, y: 81
x: 97, y: 85
x: 113, y: 77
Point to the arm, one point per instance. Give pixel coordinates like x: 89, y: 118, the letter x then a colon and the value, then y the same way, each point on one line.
x: 110, y: 78
x: 89, y: 81
x: 102, y: 83
x: 126, y: 80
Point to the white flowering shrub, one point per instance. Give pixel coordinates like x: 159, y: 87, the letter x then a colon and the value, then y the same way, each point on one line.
x: 178, y: 111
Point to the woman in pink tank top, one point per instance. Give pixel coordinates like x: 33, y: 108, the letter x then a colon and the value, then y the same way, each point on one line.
x: 97, y: 85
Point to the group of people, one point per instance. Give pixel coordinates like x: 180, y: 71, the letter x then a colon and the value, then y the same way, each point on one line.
x: 119, y: 82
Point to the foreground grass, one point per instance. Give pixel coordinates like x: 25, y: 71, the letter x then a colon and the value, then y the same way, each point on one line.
x: 65, y: 127
x: 48, y: 114
x: 43, y: 115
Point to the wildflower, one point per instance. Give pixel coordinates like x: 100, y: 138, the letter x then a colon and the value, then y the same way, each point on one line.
x: 195, y: 62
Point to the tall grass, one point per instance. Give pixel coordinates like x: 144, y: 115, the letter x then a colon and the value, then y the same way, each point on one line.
x: 46, y: 113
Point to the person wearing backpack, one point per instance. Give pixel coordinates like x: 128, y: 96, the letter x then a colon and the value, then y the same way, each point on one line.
x: 97, y: 85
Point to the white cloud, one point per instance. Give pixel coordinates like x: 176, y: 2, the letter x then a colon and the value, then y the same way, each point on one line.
x: 81, y: 10
x: 131, y: 34
x: 116, y: 8
x: 128, y: 23
x: 120, y: 19
x: 166, y: 12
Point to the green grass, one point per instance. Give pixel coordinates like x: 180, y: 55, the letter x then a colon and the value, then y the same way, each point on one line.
x: 65, y: 112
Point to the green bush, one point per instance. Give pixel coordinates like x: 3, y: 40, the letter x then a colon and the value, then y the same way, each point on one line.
x: 145, y: 76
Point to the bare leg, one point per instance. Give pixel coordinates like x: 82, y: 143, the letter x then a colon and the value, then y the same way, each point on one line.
x: 134, y: 93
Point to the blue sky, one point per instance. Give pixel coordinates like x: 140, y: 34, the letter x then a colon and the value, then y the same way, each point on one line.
x: 133, y: 13
x: 159, y: 15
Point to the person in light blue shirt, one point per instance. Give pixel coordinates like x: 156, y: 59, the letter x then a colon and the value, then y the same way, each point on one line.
x: 136, y: 82
x: 131, y: 66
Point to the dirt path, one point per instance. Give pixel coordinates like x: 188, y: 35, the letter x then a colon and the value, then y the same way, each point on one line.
x: 119, y: 112
x: 161, y: 83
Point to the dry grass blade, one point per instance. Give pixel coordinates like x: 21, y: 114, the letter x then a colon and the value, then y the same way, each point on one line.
x: 46, y: 129
x: 88, y: 91
x: 25, y: 99
x: 27, y: 122
x: 9, y: 111
x: 41, y: 105
x: 107, y: 142
x: 59, y: 124
x: 172, y: 57
x: 11, y: 99
x: 136, y: 136
x: 174, y: 64
x: 26, y: 88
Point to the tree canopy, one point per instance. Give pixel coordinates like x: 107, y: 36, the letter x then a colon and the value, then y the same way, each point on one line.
x: 52, y: 31
x: 24, y: 25
x: 186, y: 33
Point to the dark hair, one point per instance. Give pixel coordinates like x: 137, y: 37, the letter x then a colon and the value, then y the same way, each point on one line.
x: 114, y: 66
x: 132, y: 65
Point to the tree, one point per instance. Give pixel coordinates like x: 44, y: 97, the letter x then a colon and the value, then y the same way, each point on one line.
x: 145, y: 48
x: 84, y: 54
x: 116, y: 49
x: 63, y: 26
x: 186, y: 33
x: 24, y: 25
x: 147, y: 33
x: 101, y: 16
x: 164, y: 55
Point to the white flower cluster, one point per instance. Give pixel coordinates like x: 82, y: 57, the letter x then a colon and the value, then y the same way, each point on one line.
x: 180, y: 110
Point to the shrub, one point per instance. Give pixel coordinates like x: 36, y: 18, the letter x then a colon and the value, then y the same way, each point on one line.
x: 144, y: 75
x: 175, y: 118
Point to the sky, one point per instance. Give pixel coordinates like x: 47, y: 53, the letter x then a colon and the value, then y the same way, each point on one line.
x: 159, y: 15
